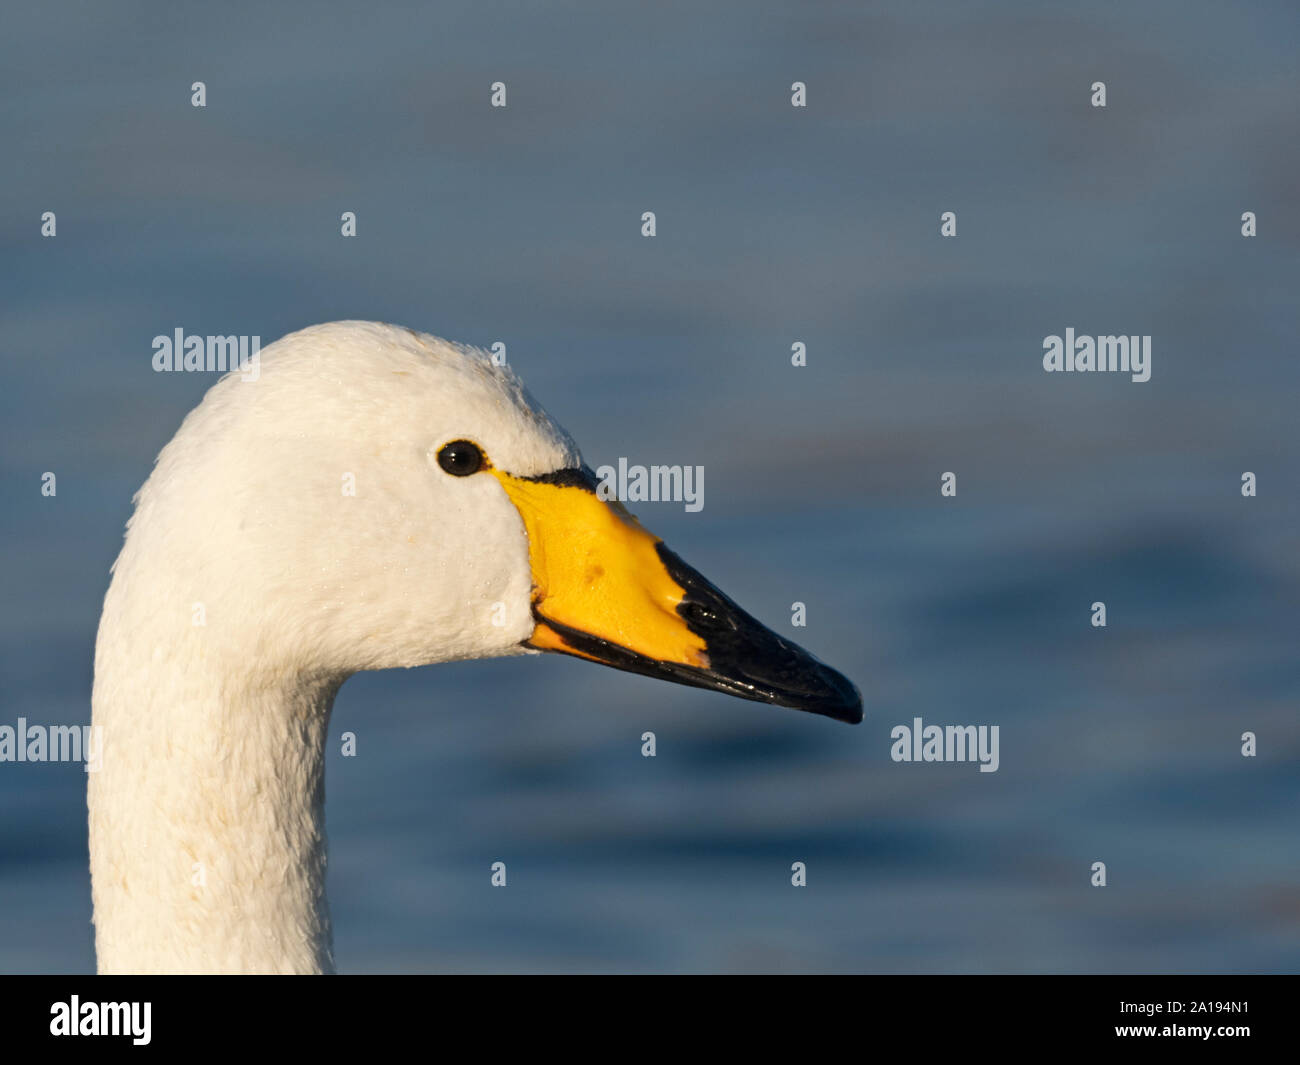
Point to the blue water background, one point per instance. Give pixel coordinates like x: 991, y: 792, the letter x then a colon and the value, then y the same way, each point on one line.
x: 774, y: 225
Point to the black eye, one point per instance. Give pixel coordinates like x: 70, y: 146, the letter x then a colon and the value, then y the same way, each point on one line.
x: 460, y: 458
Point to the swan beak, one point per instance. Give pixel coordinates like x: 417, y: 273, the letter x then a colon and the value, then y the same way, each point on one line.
x: 606, y: 590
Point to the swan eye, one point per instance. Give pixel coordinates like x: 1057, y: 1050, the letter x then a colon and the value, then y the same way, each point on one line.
x: 460, y: 458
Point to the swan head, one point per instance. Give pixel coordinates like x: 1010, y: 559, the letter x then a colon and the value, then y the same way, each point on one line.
x: 377, y: 497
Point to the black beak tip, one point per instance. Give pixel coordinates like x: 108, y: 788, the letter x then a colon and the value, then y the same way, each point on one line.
x: 848, y: 712
x: 836, y: 697
x: 749, y: 660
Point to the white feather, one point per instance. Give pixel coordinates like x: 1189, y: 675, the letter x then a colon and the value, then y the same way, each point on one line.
x: 207, y: 839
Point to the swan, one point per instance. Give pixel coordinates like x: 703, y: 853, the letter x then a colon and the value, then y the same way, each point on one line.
x: 376, y: 498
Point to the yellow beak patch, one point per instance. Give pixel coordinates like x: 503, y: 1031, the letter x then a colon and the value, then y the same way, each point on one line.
x: 596, y: 570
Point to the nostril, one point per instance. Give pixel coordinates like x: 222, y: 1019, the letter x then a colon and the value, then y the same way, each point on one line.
x: 699, y: 615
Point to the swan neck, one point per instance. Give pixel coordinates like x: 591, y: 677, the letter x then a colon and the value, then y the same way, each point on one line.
x: 207, y: 822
